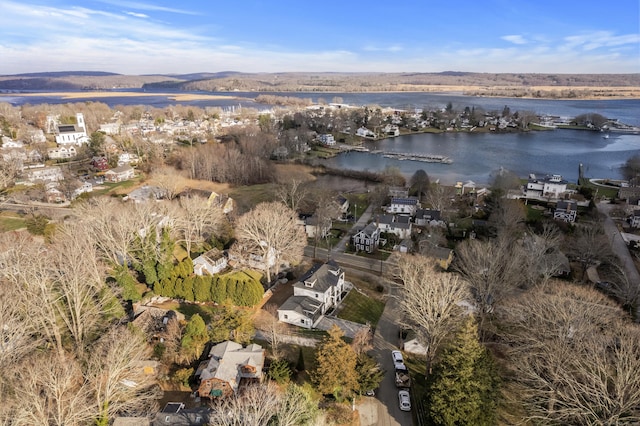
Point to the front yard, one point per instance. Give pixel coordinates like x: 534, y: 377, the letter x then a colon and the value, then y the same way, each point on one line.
x: 360, y: 308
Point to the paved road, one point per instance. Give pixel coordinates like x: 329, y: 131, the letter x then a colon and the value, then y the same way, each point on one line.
x: 620, y: 248
x: 385, y: 410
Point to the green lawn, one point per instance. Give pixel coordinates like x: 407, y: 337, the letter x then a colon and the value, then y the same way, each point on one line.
x: 360, y: 308
x: 11, y: 223
x: 247, y: 197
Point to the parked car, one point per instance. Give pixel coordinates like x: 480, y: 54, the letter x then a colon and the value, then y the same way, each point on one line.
x: 404, y: 400
x: 370, y: 392
x: 398, y: 361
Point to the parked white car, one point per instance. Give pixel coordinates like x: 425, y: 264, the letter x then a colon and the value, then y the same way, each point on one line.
x: 404, y: 400
x: 398, y: 361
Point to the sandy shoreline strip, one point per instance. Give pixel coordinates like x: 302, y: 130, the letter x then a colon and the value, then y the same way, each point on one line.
x: 597, y: 93
x: 176, y: 97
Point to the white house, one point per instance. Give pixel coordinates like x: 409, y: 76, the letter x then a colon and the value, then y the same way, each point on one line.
x: 393, y: 224
x: 73, y: 134
x: 119, y: 174
x: 549, y: 186
x: 407, y: 205
x: 85, y: 187
x: 391, y: 130
x: 365, y: 133
x: 127, y: 158
x: 327, y: 139
x: 314, y: 226
x: 8, y: 143
x: 62, y: 152
x: 319, y: 290
x: 212, y: 262
x: 45, y: 174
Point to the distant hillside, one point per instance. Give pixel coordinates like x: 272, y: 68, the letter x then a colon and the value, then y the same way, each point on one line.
x: 72, y: 81
x: 384, y: 82
x: 482, y: 84
x: 64, y: 74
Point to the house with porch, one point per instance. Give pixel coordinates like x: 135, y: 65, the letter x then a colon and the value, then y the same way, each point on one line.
x: 320, y: 289
x: 567, y: 211
x: 367, y: 239
x: 229, y: 364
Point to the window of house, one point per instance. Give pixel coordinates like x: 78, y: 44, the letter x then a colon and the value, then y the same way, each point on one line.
x: 317, y: 295
x: 286, y: 316
x: 302, y: 321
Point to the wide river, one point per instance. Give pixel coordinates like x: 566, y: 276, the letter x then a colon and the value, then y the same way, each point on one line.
x: 475, y: 156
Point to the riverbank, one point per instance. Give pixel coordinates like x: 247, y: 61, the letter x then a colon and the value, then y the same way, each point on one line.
x: 178, y: 97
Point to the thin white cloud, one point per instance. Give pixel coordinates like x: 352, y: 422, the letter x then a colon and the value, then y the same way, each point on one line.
x: 137, y: 15
x: 147, y: 7
x: 597, y: 39
x: 373, y: 48
x: 515, y: 39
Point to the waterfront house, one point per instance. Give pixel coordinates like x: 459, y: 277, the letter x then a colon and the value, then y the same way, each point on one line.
x: 320, y: 289
x: 548, y: 187
x: 327, y: 139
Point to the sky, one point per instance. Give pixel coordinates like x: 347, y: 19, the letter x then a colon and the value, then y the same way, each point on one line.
x: 187, y: 36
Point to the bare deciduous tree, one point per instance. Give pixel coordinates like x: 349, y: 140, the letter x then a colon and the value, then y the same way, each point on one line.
x: 292, y: 194
x: 270, y: 231
x: 430, y: 301
x: 253, y: 406
x: 272, y: 329
x: 493, y: 269
x: 52, y: 391
x: 116, y: 375
x: 197, y: 220
x: 573, y: 359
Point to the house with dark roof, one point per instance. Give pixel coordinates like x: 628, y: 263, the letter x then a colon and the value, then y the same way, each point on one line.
x: 407, y: 205
x: 367, y: 239
x: 73, y: 134
x: 395, y: 224
x: 550, y: 186
x: 566, y: 211
x: 229, y: 364
x: 320, y: 289
x: 428, y: 217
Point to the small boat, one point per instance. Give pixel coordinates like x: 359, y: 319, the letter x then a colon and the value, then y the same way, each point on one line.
x: 606, y: 136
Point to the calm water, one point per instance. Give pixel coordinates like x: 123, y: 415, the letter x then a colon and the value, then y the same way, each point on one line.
x: 475, y: 156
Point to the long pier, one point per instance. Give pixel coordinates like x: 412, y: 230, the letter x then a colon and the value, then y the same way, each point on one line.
x: 426, y: 158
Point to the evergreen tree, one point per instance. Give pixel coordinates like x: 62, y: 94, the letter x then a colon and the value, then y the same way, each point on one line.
x: 194, y: 338
x: 128, y: 283
x: 335, y: 371
x: 370, y: 374
x: 202, y: 288
x: 463, y: 389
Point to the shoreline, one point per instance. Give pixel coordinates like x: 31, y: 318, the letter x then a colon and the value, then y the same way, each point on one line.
x: 607, y: 93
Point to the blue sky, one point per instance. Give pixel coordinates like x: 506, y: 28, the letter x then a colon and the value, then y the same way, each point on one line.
x: 144, y: 37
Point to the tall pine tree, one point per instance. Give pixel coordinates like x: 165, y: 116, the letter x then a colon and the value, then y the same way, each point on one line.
x: 464, y: 386
x: 335, y: 371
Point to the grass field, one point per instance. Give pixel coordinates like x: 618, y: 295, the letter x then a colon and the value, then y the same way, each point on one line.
x: 360, y: 308
x: 10, y: 222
